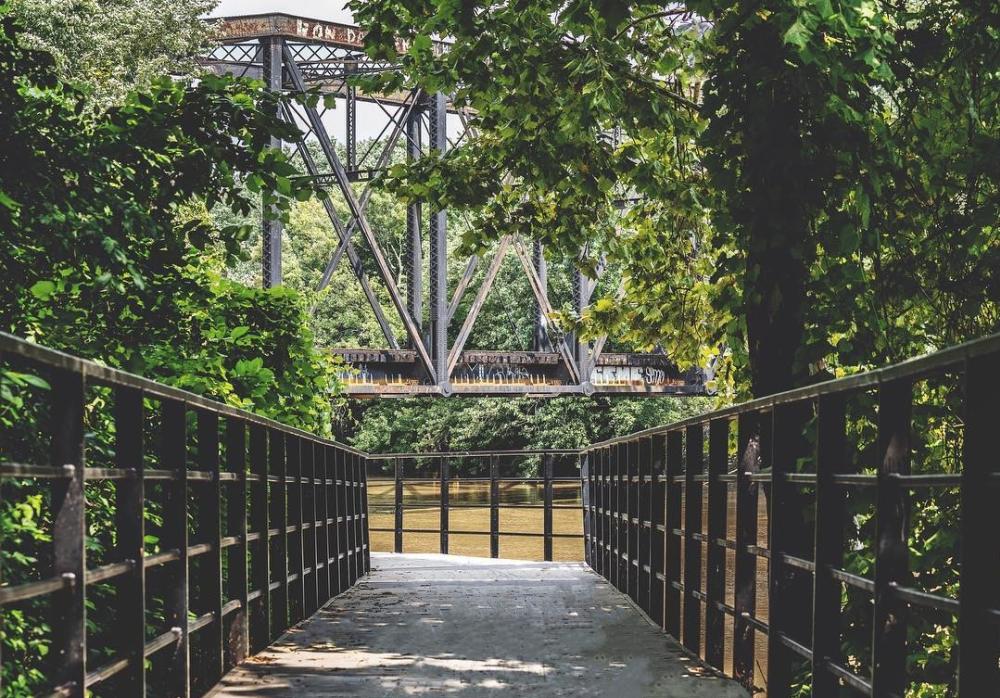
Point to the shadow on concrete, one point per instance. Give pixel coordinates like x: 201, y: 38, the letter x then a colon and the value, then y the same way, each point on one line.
x: 434, y: 624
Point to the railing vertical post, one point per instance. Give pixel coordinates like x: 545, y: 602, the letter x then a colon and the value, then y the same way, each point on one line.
x: 322, y: 524
x: 597, y: 546
x: 312, y: 540
x: 718, y: 503
x: 333, y: 509
x: 350, y: 471
x: 611, y: 507
x: 238, y: 641
x: 366, y: 547
x: 694, y: 440
x: 891, y: 551
x: 279, y: 517
x: 443, y: 468
x: 131, y: 527
x: 68, y: 531
x: 175, y: 537
x: 261, y: 559
x: 333, y: 528
x: 614, y: 532
x: 210, y: 531
x: 745, y: 568
x: 831, y: 459
x: 645, y: 488
x: 657, y: 521
x: 608, y: 532
x: 675, y: 456
x: 397, y: 543
x: 786, y: 430
x: 494, y: 508
x: 547, y: 508
x: 343, y: 566
x: 297, y: 521
x: 587, y: 498
x: 633, y: 525
x: 621, y: 517
x: 979, y: 589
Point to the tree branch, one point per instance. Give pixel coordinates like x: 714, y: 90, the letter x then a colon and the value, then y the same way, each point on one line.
x: 646, y: 18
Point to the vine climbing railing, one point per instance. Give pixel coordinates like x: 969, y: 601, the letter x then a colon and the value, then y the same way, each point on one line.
x: 227, y: 531
x: 842, y: 535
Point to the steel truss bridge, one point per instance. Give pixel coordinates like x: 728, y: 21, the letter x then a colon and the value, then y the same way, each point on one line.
x: 293, y: 55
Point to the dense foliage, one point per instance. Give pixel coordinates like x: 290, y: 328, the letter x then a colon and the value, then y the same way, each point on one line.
x: 814, y: 179
x: 110, y: 253
x: 811, y: 185
x: 108, y: 48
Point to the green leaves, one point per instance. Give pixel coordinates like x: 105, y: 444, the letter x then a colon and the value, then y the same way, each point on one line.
x: 43, y: 290
x: 798, y: 34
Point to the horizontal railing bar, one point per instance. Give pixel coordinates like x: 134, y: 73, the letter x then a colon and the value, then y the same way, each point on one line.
x: 200, y: 622
x: 161, y: 558
x: 474, y: 454
x: 106, y: 375
x: 472, y: 533
x: 105, y: 672
x: 110, y: 571
x: 798, y: 562
x: 928, y: 364
x: 925, y: 599
x: 161, y: 641
x: 200, y: 549
x: 801, y: 478
x: 36, y: 471
x: 856, y: 479
x: 459, y: 480
x: 927, y: 479
x: 755, y: 622
x: 796, y: 647
x: 109, y: 473
x: 847, y: 676
x: 851, y: 579
x: 388, y: 506
x: 158, y: 474
x: 30, y: 590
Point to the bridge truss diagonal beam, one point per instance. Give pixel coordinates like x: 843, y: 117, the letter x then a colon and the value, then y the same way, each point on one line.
x: 543, y: 302
x: 477, y: 304
x: 345, y: 244
x: 366, y: 193
x: 340, y: 174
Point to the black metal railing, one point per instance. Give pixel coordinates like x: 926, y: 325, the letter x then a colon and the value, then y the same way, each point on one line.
x: 468, y: 482
x: 818, y: 485
x: 256, y: 526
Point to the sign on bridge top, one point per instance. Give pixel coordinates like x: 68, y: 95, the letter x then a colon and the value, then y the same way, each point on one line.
x: 246, y: 27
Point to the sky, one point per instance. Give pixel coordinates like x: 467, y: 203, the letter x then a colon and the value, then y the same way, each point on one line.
x: 329, y: 10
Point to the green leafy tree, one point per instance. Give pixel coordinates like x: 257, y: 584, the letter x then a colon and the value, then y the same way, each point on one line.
x: 803, y: 180
x: 109, y: 253
x: 109, y: 47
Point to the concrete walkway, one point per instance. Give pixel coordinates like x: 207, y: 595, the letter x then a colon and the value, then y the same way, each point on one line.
x: 445, y: 624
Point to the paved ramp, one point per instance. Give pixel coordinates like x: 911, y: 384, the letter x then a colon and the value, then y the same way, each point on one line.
x: 469, y: 626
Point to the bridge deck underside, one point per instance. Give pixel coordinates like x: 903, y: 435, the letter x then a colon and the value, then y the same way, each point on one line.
x: 432, y: 624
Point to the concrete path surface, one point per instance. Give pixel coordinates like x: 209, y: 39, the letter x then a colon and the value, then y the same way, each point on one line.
x: 469, y: 626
